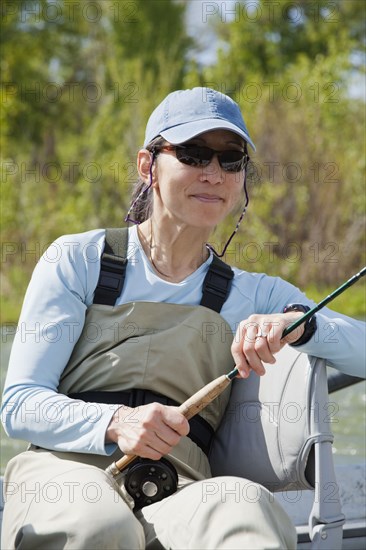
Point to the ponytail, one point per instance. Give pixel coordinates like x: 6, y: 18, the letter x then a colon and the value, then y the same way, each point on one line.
x: 142, y: 197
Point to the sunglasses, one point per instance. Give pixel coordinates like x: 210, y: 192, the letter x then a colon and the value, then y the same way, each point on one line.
x: 195, y: 155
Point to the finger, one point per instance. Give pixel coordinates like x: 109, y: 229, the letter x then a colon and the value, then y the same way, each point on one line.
x: 146, y: 445
x: 161, y: 446
x: 274, y: 337
x: 252, y: 330
x: 262, y: 348
x: 249, y: 348
x: 253, y: 359
x: 156, y: 417
x: 149, y: 452
x: 240, y: 360
x: 175, y: 420
x: 168, y: 436
x: 165, y: 427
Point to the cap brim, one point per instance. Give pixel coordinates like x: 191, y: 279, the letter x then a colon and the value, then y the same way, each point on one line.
x: 184, y: 132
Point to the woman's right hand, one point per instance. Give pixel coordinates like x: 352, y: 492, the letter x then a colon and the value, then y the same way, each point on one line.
x: 148, y: 431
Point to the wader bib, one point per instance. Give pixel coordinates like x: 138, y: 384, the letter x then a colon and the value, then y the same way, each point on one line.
x: 171, y: 350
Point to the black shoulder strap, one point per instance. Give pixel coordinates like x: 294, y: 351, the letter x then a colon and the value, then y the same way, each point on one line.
x: 112, y: 267
x: 217, y: 284
x: 215, y: 288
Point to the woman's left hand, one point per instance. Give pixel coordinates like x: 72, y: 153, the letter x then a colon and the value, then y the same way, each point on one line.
x: 259, y: 337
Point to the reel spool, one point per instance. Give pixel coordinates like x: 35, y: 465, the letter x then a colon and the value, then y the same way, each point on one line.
x: 148, y: 481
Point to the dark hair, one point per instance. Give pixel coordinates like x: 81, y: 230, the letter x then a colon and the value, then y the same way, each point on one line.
x: 142, y: 197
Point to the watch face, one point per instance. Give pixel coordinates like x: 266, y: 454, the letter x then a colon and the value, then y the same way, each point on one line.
x: 296, y: 307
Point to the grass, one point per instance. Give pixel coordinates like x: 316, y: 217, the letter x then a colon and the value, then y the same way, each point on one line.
x: 352, y: 302
x: 9, y: 311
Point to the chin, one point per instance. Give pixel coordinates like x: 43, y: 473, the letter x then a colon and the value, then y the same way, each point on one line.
x: 207, y: 222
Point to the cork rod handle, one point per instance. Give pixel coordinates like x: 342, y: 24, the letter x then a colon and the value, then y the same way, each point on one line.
x: 192, y: 406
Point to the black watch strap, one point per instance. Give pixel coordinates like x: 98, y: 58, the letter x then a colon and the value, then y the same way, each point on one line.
x: 310, y: 325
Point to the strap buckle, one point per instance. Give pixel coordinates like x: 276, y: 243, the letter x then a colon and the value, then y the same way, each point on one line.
x: 111, y: 279
x: 111, y: 273
x: 218, y: 280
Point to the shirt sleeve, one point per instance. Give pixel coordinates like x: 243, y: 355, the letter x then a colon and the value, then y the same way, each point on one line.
x: 50, y: 324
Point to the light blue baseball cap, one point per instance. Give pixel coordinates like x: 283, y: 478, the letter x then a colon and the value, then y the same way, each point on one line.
x: 185, y: 114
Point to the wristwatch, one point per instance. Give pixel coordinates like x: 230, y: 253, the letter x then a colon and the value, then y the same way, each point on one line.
x: 310, y: 325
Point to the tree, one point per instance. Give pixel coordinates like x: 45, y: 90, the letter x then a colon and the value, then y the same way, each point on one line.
x: 78, y: 82
x: 289, y: 65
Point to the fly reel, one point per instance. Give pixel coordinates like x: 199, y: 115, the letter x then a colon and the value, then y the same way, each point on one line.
x: 148, y: 481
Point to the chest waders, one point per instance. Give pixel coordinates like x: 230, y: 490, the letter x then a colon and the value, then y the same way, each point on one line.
x: 143, y: 352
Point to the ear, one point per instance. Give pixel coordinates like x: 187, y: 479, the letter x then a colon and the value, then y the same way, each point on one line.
x: 144, y: 158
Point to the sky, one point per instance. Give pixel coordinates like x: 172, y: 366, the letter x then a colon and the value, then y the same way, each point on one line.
x: 200, y: 15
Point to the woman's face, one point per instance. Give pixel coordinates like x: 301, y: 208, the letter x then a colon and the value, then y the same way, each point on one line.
x: 197, y: 196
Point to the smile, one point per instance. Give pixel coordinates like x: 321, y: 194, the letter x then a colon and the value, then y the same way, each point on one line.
x: 208, y: 198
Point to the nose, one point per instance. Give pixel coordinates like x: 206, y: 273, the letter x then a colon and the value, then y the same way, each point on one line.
x: 213, y: 172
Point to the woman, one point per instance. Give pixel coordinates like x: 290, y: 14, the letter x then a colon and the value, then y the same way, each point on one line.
x: 106, y: 350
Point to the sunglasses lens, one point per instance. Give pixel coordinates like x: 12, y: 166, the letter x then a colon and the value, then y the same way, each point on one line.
x: 230, y: 161
x: 194, y: 156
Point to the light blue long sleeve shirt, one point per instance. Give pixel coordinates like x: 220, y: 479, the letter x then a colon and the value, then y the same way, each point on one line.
x: 52, y: 318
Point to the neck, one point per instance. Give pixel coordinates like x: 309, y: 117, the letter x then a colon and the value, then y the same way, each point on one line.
x: 174, y: 252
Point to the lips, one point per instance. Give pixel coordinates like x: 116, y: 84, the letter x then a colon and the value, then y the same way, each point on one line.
x: 204, y: 197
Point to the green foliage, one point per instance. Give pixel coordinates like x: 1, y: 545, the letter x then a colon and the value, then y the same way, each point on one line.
x: 266, y: 37
x: 351, y: 303
x: 79, y: 80
x: 78, y: 84
x: 289, y: 68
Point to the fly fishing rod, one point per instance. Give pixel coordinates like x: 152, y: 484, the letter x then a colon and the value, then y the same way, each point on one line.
x: 199, y: 400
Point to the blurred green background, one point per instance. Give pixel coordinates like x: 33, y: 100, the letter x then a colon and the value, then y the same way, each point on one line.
x: 80, y: 78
